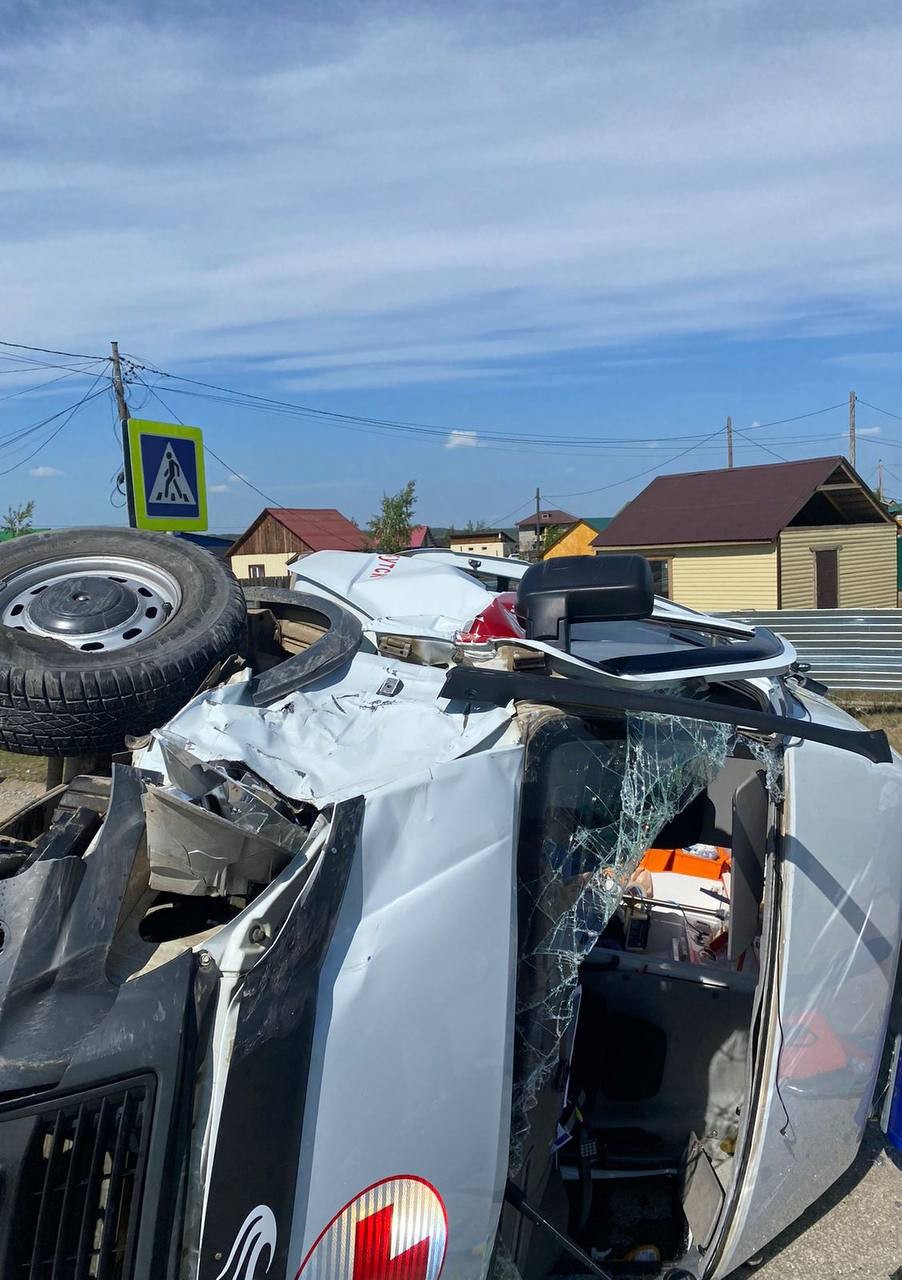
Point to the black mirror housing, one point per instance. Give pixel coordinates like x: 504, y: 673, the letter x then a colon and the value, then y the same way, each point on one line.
x: 566, y: 589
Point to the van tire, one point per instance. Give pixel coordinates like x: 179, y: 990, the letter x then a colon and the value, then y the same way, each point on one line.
x: 56, y: 700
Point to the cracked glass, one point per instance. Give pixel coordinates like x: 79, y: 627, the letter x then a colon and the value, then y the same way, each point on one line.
x: 596, y: 795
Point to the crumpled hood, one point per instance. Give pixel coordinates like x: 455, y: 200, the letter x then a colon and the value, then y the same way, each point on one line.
x: 339, y: 737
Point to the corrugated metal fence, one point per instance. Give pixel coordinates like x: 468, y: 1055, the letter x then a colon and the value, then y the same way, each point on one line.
x: 847, y: 648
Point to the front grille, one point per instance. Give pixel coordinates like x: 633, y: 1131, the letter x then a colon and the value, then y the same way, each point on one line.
x: 78, y: 1193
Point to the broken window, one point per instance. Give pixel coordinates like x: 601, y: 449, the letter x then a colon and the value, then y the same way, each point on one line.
x: 595, y: 796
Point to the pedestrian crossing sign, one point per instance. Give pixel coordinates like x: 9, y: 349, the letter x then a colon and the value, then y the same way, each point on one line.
x: 166, y: 476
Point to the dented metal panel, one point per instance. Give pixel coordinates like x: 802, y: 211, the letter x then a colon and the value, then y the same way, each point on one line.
x: 338, y: 737
x: 412, y: 1051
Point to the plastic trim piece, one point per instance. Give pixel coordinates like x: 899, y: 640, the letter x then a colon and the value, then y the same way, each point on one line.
x: 765, y: 644
x: 501, y: 687
x: 334, y: 648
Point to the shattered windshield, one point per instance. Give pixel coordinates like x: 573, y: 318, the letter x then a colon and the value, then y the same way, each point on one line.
x: 595, y: 797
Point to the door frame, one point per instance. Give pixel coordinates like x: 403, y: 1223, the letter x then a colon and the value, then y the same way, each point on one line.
x: 835, y: 548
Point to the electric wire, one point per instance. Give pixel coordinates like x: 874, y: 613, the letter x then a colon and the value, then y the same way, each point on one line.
x: 90, y: 394
x: 48, y: 351
x: 237, y: 474
x: 552, y: 441
x: 501, y: 519
x: 639, y: 474
x: 39, y: 386
x: 760, y: 445
x: 876, y: 407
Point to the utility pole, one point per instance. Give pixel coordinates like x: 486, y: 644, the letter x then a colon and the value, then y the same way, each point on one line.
x: 729, y: 442
x: 538, y: 521
x: 852, y: 427
x: 880, y: 479
x: 122, y: 406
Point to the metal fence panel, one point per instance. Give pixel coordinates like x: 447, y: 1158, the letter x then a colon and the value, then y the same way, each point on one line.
x: 847, y: 648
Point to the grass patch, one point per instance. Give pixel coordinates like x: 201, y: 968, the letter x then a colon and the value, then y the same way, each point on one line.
x: 875, y: 711
x: 890, y: 721
x: 23, y: 768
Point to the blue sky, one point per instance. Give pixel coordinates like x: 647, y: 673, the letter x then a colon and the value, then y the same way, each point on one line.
x: 612, y: 220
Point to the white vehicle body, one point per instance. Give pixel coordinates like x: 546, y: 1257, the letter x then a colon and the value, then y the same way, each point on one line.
x: 426, y: 1040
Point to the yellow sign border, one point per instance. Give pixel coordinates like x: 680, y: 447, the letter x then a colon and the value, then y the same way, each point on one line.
x: 138, y: 427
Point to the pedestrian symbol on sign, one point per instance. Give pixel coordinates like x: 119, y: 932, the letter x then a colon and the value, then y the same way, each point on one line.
x: 171, y: 485
x: 166, y: 476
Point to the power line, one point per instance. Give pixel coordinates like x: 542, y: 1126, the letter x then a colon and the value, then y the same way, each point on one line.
x: 430, y: 429
x: 70, y: 413
x: 501, y: 519
x: 639, y: 474
x: 779, y: 422
x: 877, y: 409
x: 207, y: 449
x: 397, y: 426
x: 48, y: 351
x: 39, y: 386
x: 758, y: 444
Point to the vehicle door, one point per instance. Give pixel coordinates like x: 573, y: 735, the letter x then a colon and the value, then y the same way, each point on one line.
x: 837, y: 899
x: 406, y: 1128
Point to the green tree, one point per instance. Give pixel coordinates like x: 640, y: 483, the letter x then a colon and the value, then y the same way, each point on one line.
x: 550, y: 535
x: 390, y: 529
x: 17, y: 520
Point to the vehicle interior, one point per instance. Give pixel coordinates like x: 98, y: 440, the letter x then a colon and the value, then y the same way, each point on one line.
x: 628, y: 1140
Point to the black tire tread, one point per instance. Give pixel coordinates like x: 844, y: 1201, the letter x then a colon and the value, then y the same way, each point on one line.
x: 51, y: 710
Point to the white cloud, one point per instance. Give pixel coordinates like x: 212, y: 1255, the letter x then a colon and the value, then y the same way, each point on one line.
x: 462, y: 440
x: 878, y: 360
x: 44, y: 473
x: 217, y: 488
x: 867, y: 431
x: 420, y: 195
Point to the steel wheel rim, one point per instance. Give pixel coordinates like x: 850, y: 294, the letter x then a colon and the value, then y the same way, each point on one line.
x: 143, y: 599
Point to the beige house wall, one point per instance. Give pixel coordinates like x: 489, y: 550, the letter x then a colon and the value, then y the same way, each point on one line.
x: 275, y: 563
x: 867, y: 565
x: 719, y: 578
x: 497, y: 548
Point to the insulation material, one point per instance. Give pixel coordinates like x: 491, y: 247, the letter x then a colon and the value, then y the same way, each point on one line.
x: 600, y: 803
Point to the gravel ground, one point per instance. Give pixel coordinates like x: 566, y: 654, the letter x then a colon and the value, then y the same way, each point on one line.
x: 16, y: 792
x: 854, y: 1232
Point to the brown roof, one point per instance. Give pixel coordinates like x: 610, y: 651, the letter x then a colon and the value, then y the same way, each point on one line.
x: 547, y: 517
x: 739, y: 504
x: 319, y: 528
x: 322, y: 528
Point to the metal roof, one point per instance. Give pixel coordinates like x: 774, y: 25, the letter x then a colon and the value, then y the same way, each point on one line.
x: 319, y: 528
x: 547, y: 517
x: 739, y: 504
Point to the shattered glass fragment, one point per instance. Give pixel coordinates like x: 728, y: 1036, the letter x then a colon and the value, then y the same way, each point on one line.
x: 769, y: 755
x: 596, y: 796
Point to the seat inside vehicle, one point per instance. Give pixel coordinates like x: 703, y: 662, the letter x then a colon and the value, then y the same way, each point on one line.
x: 630, y: 1144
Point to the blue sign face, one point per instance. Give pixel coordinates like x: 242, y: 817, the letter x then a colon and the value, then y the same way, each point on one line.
x: 169, y: 468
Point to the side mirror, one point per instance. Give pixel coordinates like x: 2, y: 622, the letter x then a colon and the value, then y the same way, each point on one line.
x: 555, y: 593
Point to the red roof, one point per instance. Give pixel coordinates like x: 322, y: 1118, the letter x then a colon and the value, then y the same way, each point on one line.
x: 321, y: 528
x: 417, y: 536
x: 739, y: 504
